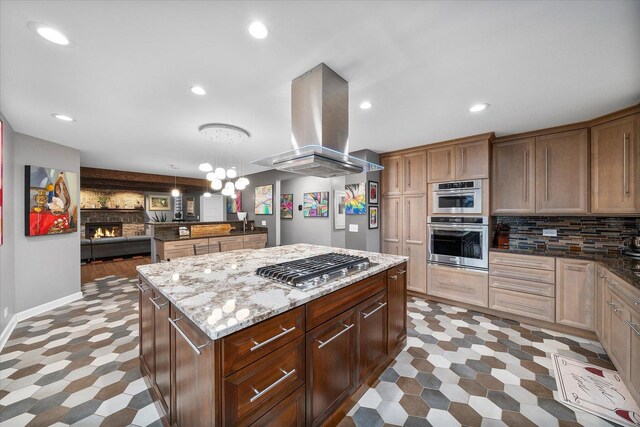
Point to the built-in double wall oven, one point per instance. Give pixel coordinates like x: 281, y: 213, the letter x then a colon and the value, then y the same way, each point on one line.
x: 458, y: 241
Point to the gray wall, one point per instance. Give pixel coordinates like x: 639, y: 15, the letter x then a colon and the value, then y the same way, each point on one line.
x: 46, y: 267
x: 314, y: 230
x: 365, y: 239
x: 7, y: 252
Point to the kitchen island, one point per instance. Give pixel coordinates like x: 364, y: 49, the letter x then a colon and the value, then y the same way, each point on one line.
x: 224, y: 346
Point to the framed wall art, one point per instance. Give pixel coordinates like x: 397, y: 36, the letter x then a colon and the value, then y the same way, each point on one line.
x: 373, y: 217
x: 372, y: 192
x: 234, y: 205
x: 263, y: 200
x: 316, y: 204
x: 286, y: 206
x: 355, y: 201
x: 51, y: 201
x: 339, y: 218
x: 159, y: 202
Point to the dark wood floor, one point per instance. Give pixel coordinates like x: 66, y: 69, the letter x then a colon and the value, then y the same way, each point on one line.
x: 117, y: 267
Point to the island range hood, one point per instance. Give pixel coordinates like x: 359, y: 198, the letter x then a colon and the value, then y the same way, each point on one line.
x: 319, y: 128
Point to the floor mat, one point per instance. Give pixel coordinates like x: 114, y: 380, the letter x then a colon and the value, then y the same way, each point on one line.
x: 596, y: 390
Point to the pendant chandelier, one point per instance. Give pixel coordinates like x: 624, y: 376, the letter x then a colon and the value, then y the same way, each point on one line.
x: 221, y: 172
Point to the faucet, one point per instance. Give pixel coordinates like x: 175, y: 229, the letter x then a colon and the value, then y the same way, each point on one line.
x: 242, y: 216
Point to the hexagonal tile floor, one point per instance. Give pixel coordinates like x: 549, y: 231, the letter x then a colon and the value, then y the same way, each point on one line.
x: 464, y: 368
x: 77, y: 365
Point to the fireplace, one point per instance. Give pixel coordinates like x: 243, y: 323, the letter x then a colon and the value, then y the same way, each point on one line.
x: 100, y: 230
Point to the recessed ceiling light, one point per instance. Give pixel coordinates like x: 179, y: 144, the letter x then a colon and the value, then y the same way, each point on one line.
x: 63, y: 117
x: 198, y: 90
x: 49, y: 33
x: 365, y: 105
x: 478, y: 107
x: 258, y: 30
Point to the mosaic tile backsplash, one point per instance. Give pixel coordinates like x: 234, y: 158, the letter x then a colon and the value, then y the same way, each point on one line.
x: 589, y: 234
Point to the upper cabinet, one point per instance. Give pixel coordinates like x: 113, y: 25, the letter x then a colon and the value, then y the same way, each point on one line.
x: 415, y: 172
x: 513, y: 178
x: 457, y: 162
x: 545, y: 174
x: 615, y: 160
x: 392, y: 175
x: 562, y: 173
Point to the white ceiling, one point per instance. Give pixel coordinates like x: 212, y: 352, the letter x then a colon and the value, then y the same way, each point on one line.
x: 422, y: 64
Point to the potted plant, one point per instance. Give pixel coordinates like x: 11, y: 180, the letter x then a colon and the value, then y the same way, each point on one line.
x: 104, y: 201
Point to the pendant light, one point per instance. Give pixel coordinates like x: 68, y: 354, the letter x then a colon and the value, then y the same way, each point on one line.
x: 224, y: 176
x: 175, y: 192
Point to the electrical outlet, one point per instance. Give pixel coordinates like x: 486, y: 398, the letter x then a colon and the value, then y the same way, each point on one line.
x: 353, y: 228
x: 264, y: 222
x: 5, y: 312
x: 550, y: 232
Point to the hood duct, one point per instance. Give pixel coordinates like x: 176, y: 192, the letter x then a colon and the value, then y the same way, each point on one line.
x: 319, y: 128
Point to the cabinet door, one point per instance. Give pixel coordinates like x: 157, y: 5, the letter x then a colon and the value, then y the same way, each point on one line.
x: 397, y: 300
x: 194, y: 375
x: 472, y: 160
x: 441, y: 164
x: 562, y: 173
x: 513, y: 177
x: 415, y: 234
x: 288, y: 413
x: 575, y: 293
x: 391, y: 223
x: 146, y: 329
x: 331, y: 366
x: 415, y: 168
x: 600, y: 306
x: 372, y: 334
x: 615, y: 159
x: 231, y: 245
x: 162, y: 348
x: 619, y: 334
x: 634, y: 367
x: 391, y: 175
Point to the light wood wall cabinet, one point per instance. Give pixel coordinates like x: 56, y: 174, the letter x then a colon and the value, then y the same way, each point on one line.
x: 392, y: 175
x: 513, y: 188
x: 415, y: 168
x: 615, y: 164
x: 391, y: 207
x: 575, y: 293
x: 414, y: 241
x: 548, y: 174
x: 562, y: 173
x: 457, y: 162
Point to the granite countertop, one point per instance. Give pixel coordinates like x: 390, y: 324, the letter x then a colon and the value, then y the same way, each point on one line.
x: 222, y: 294
x: 626, y: 267
x: 231, y: 233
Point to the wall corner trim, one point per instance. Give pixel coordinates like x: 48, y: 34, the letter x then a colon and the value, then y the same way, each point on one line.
x: 6, y: 333
x: 24, y: 315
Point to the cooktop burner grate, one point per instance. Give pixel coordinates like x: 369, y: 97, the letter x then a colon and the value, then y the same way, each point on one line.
x: 309, y: 270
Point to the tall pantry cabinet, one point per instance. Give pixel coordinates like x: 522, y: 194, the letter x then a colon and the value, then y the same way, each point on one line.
x: 404, y: 213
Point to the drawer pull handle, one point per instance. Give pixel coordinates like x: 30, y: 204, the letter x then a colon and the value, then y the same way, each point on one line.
x: 522, y: 276
x: 394, y: 277
x: 624, y: 294
x: 346, y: 328
x: 156, y: 305
x: 401, y: 271
x: 259, y: 394
x: 613, y: 306
x: 380, y: 305
x: 186, y: 338
x: 272, y: 339
x: 633, y: 327
x: 143, y: 290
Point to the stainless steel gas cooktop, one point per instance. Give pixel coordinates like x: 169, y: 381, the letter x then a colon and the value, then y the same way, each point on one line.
x: 316, y: 270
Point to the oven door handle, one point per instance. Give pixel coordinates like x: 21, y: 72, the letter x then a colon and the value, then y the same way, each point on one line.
x: 470, y: 190
x: 457, y: 227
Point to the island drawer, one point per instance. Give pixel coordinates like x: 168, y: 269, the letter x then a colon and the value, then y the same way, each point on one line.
x: 329, y: 306
x: 255, y: 389
x: 255, y: 238
x: 509, y: 272
x: 535, y: 306
x: 526, y: 261
x: 250, y: 344
x: 519, y: 285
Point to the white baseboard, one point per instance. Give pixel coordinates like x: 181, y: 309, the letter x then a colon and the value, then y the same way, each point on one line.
x: 6, y: 333
x: 24, y: 315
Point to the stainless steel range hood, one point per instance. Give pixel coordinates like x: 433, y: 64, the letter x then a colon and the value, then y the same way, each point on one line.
x: 319, y: 128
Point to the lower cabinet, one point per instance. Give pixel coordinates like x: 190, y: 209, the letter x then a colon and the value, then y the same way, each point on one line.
x: 288, y: 413
x: 162, y: 347
x: 458, y: 284
x: 146, y: 329
x: 181, y: 248
x: 397, y: 307
x: 634, y: 353
x: 618, y: 332
x: 372, y: 334
x: 575, y: 293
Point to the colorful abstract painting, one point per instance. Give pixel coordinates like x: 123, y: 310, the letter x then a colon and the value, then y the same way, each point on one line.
x: 235, y: 205
x: 51, y: 200
x: 263, y: 200
x: 316, y: 204
x: 355, y: 201
x: 286, y: 206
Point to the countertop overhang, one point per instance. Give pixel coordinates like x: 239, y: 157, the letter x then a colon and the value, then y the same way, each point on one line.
x: 221, y: 293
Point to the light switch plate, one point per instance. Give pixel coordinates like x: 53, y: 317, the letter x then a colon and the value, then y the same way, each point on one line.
x: 353, y: 228
x: 550, y: 232
x: 264, y: 222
